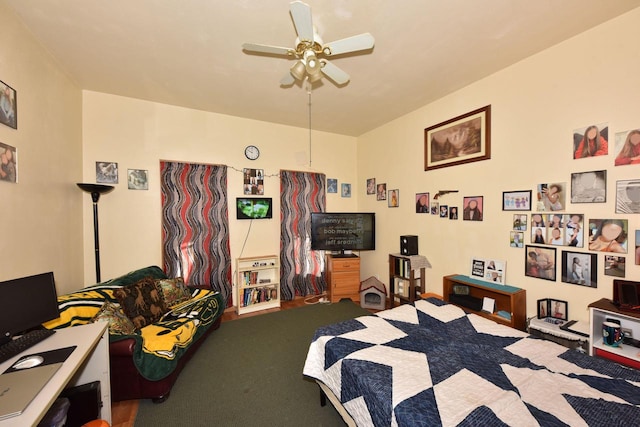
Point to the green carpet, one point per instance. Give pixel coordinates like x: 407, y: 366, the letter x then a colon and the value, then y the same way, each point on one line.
x: 249, y: 373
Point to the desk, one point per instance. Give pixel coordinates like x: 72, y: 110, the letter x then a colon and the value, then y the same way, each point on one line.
x: 89, y: 362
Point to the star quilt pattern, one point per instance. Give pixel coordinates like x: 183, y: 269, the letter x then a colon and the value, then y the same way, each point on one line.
x: 432, y: 364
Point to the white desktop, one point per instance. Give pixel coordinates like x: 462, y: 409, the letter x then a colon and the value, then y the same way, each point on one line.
x: 89, y: 362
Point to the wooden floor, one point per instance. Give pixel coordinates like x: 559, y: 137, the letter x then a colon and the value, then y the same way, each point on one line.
x: 123, y: 414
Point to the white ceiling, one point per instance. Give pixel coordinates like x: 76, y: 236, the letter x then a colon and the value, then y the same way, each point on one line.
x: 188, y: 52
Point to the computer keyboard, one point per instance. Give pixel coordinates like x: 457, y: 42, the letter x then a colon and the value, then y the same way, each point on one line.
x: 22, y: 343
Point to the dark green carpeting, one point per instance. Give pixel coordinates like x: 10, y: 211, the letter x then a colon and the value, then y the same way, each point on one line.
x: 249, y: 373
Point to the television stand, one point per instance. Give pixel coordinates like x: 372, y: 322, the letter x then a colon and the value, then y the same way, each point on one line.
x: 343, y: 277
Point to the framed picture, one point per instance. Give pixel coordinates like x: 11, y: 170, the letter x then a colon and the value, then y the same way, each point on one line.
x: 472, y: 208
x: 381, y: 192
x: 608, y: 235
x: 625, y: 147
x: 422, y: 203
x: 435, y: 208
x: 516, y: 200
x: 394, y: 198
x: 637, y: 247
x: 557, y: 229
x: 453, y: 212
x: 591, y: 141
x: 551, y: 197
x: 371, y: 186
x: 8, y: 163
x: 345, y: 190
x: 8, y: 106
x: 520, y: 222
x: 615, y: 265
x: 253, y: 182
x: 489, y: 270
x: 516, y: 239
x: 444, y: 211
x: 137, y: 179
x: 332, y: 185
x: 106, y: 173
x: 540, y: 262
x: 628, y: 196
x: 463, y: 139
x: 579, y: 268
x: 553, y: 308
x: 589, y: 187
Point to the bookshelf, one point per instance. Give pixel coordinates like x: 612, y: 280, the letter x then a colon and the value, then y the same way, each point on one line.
x: 626, y: 353
x: 406, y: 278
x: 258, y: 283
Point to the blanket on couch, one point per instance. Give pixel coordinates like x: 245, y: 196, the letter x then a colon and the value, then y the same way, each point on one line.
x: 158, y: 346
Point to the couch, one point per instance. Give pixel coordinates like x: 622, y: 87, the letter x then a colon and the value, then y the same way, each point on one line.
x: 156, y: 324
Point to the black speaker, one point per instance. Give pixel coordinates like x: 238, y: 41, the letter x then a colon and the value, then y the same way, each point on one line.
x: 409, y: 245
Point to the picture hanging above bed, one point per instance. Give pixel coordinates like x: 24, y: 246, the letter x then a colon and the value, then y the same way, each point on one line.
x: 589, y: 187
x: 580, y: 268
x: 557, y: 229
x: 608, y: 235
x: 540, y: 262
x: 551, y: 197
x: 591, y: 141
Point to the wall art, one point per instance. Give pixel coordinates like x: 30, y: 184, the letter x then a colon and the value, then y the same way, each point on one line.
x: 516, y: 200
x: 106, y: 173
x: 540, y: 262
x: 8, y: 106
x: 589, y: 187
x: 137, y: 179
x: 579, y: 268
x: 8, y: 163
x: 591, y: 141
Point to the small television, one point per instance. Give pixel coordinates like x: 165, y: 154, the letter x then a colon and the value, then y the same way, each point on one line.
x: 254, y: 208
x: 341, y: 232
x: 26, y: 303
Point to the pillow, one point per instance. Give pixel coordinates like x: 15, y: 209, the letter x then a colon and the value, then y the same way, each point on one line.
x: 141, y: 302
x: 119, y: 323
x: 174, y: 291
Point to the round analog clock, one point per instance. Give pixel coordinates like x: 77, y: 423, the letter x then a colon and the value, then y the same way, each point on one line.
x: 252, y: 152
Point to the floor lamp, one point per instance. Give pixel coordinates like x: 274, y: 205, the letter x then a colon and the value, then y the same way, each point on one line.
x: 96, y: 190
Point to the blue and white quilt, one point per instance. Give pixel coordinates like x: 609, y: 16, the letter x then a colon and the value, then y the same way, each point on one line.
x: 432, y: 364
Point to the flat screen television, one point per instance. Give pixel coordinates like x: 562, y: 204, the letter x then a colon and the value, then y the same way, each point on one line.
x: 340, y: 232
x: 254, y: 207
x: 26, y: 303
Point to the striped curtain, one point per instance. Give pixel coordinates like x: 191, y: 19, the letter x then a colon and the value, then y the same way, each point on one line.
x: 195, y: 225
x: 301, y: 269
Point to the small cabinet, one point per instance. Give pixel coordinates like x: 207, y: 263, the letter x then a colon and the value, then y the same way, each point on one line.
x: 343, y: 277
x: 406, y: 278
x: 626, y: 353
x: 258, y: 283
x: 510, y: 301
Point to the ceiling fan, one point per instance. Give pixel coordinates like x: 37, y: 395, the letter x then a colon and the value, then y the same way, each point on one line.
x: 310, y: 52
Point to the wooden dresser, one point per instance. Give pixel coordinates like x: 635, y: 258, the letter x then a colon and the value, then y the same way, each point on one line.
x: 343, y: 278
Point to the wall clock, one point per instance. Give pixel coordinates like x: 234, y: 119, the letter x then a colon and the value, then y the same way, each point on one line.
x: 252, y: 152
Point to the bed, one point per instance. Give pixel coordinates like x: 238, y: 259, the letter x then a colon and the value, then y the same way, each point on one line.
x: 432, y: 364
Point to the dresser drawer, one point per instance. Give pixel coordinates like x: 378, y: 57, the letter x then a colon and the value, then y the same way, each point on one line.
x: 346, y: 264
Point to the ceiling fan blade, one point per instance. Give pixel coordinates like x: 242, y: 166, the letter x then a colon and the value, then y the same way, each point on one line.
x: 262, y: 48
x: 302, y: 20
x: 334, y: 73
x: 287, y: 80
x: 350, y: 44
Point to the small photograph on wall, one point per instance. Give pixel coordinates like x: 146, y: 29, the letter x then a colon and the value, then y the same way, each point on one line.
x: 332, y: 185
x: 435, y: 208
x: 580, y: 269
x: 520, y: 222
x: 381, y: 191
x: 540, y: 262
x: 516, y: 200
x: 628, y: 147
x: 453, y: 212
x: 589, y: 187
x: 472, y: 208
x: 9, y: 163
x: 346, y: 190
x: 253, y: 181
x: 628, y: 196
x: 614, y: 265
x: 422, y: 203
x: 591, y: 141
x: 516, y: 240
x: 106, y: 173
x: 608, y: 235
x: 637, y: 247
x: 8, y: 106
x: 371, y: 186
x: 551, y: 197
x: 444, y: 211
x: 394, y: 198
x: 137, y: 179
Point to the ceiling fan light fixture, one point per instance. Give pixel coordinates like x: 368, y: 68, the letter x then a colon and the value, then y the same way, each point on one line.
x: 311, y: 61
x: 314, y: 77
x: 298, y: 70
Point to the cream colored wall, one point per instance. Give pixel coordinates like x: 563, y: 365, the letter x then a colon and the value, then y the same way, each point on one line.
x: 536, y: 104
x: 41, y: 215
x: 138, y: 134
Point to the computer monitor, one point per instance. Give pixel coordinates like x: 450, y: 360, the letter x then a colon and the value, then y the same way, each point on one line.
x: 26, y: 303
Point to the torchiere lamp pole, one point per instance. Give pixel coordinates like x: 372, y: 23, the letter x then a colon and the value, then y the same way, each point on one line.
x: 96, y: 190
